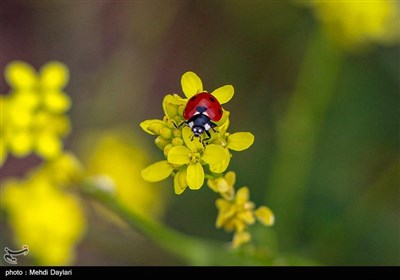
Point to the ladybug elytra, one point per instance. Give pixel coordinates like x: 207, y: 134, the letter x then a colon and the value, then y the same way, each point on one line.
x: 200, y: 112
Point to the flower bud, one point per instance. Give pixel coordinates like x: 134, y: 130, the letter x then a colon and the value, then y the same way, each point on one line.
x: 167, y: 148
x: 177, y: 141
x: 166, y: 133
x: 161, y: 142
x: 170, y: 109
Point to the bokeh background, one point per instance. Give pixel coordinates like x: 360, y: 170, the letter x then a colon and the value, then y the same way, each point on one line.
x: 324, y: 109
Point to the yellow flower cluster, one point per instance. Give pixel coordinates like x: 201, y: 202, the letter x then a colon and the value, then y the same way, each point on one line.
x: 43, y: 214
x: 190, y: 160
x: 355, y: 24
x: 236, y: 212
x: 186, y: 157
x: 32, y: 114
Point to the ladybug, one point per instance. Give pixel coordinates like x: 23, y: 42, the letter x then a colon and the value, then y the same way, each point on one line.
x: 200, y: 112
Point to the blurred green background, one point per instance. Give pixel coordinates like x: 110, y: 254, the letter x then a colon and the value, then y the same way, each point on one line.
x: 325, y: 118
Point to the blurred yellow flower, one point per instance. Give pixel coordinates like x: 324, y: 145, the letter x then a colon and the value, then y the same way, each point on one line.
x: 185, y: 157
x: 355, y: 24
x: 43, y: 215
x: 237, y: 213
x: 224, y: 185
x: 33, y: 113
x: 116, y: 156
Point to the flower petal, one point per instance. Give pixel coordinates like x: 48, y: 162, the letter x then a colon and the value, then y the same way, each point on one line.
x: 57, y: 102
x: 247, y: 216
x: 20, y: 75
x: 48, y: 145
x: 265, y: 215
x: 242, y: 195
x: 191, y: 84
x: 179, y: 155
x: 27, y: 99
x: 152, y: 127
x: 54, y: 75
x: 195, y: 176
x: 193, y: 144
x: 240, y: 141
x: 239, y: 224
x: 214, y: 154
x: 230, y: 178
x: 221, y: 166
x: 157, y: 171
x: 240, y: 238
x: 224, y: 94
x: 180, y: 183
x: 213, y: 184
x: 21, y: 144
x: 222, y: 205
x: 225, y: 212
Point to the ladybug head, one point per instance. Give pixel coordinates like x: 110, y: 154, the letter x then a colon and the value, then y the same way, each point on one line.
x: 198, y: 130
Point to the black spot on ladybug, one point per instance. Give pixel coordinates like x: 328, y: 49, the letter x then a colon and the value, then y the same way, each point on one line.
x: 220, y: 111
x: 193, y: 97
x: 212, y: 99
x: 201, y: 109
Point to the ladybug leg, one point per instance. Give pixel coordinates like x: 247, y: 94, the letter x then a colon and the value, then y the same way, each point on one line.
x: 212, y: 127
x: 179, y: 125
x: 205, y: 139
x: 208, y: 134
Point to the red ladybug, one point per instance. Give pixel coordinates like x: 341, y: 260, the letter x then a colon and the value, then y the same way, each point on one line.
x: 200, y: 112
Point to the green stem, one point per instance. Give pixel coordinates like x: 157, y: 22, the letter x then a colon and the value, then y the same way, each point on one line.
x: 297, y: 134
x: 194, y: 251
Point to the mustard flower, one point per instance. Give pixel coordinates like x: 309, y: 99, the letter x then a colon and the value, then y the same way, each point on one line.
x: 238, y: 213
x: 189, y: 160
x: 186, y: 157
x: 355, y: 24
x: 33, y: 113
x: 43, y: 215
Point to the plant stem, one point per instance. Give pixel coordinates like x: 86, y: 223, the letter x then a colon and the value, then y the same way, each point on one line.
x: 194, y: 251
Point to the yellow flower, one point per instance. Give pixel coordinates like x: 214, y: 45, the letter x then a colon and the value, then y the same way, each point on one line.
x: 33, y: 117
x: 238, y: 213
x: 43, y: 216
x: 185, y: 155
x: 192, y: 84
x: 224, y: 185
x: 240, y: 238
x: 190, y: 160
x: 355, y: 24
x: 187, y: 159
x: 117, y: 155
